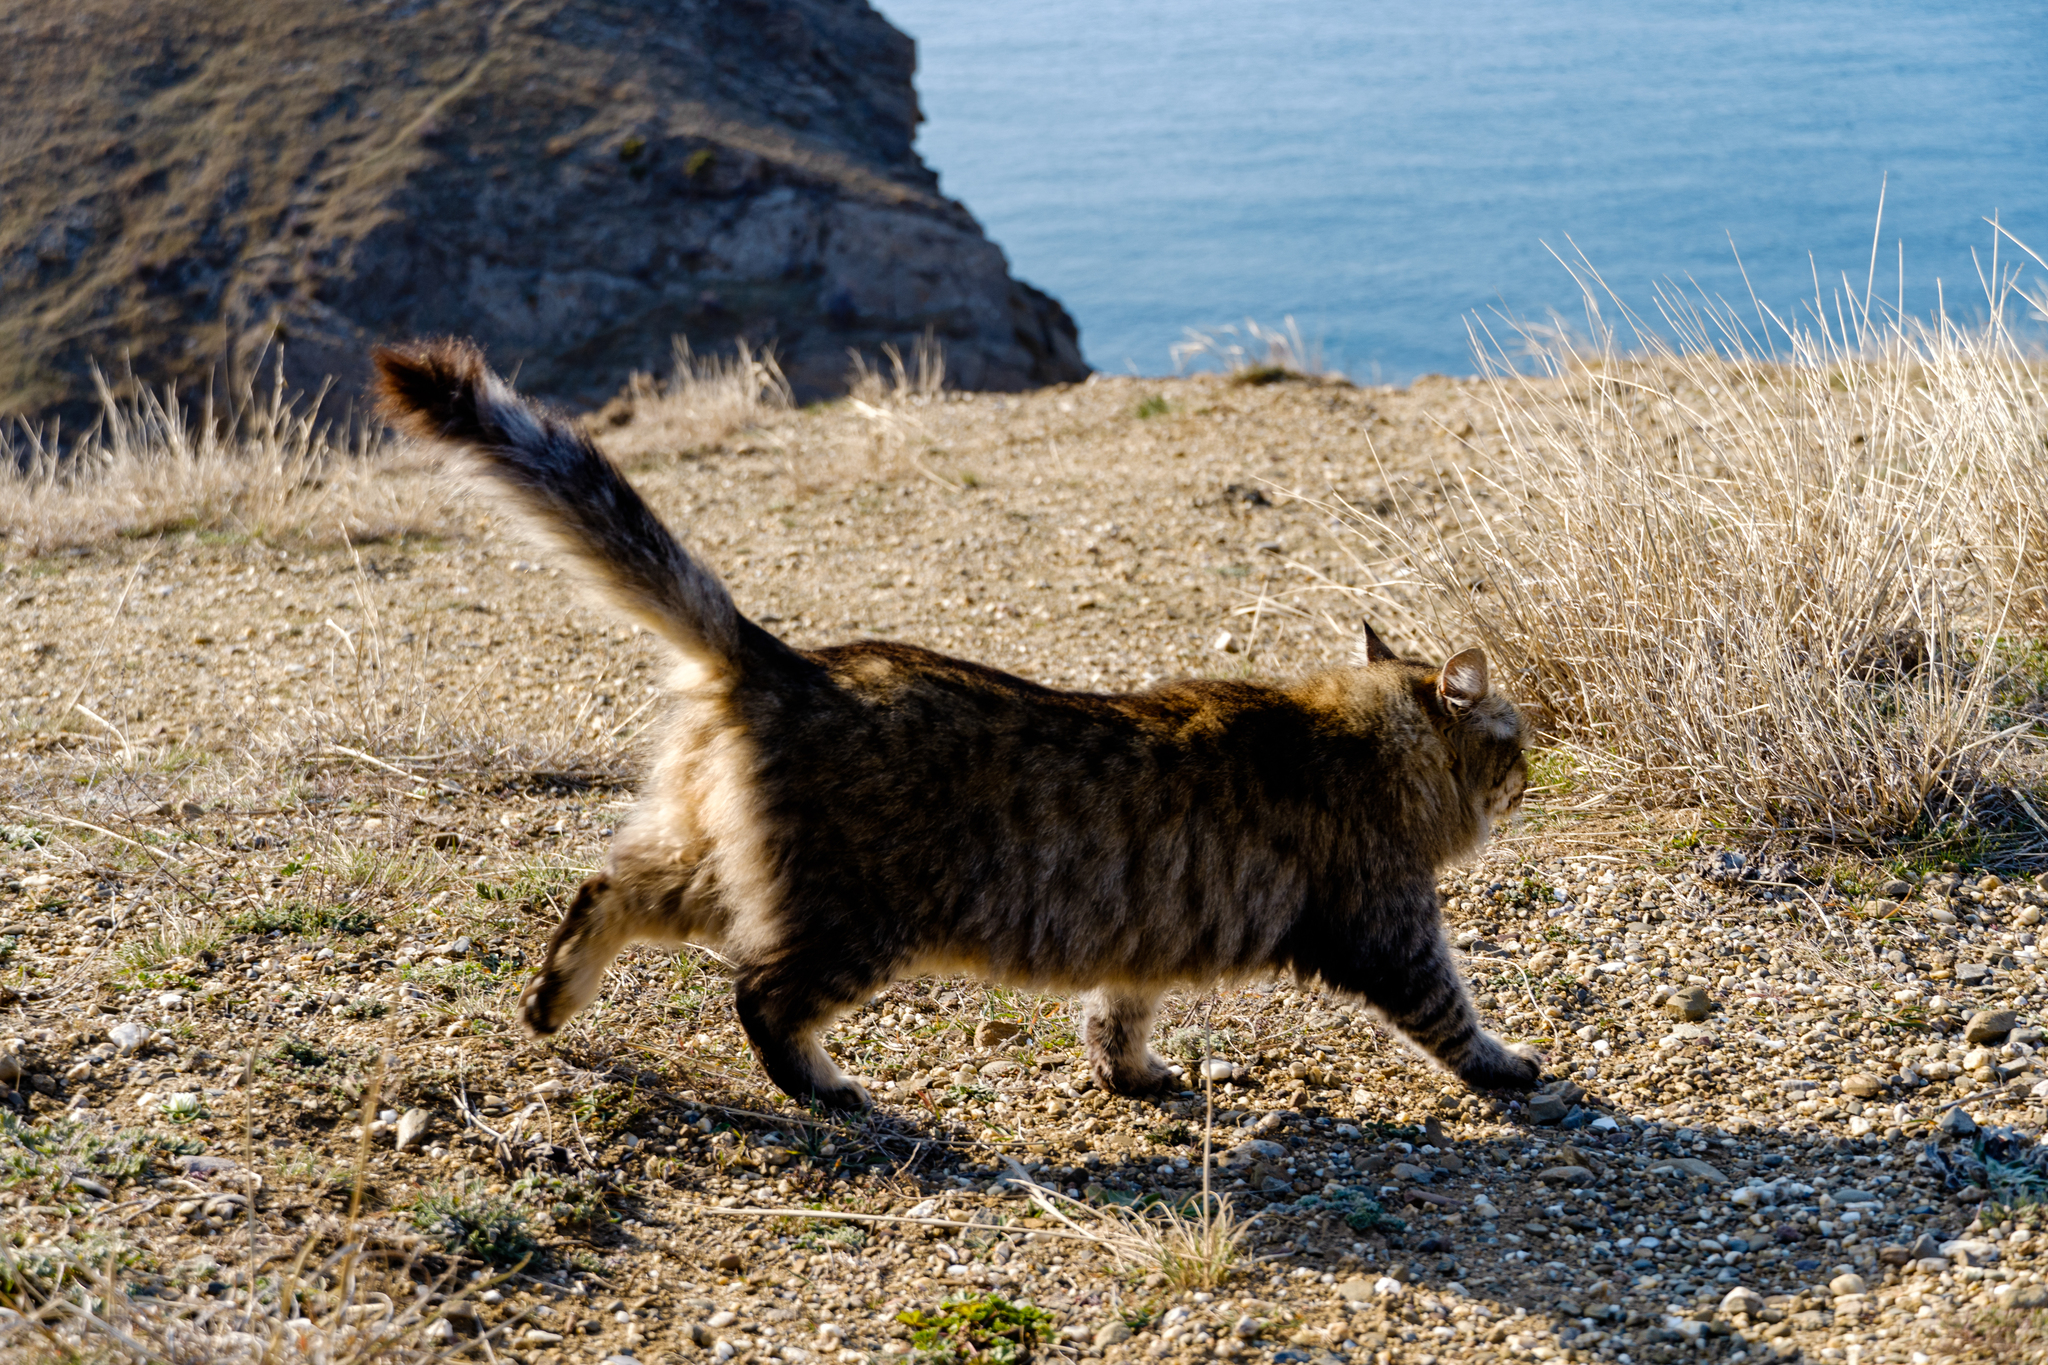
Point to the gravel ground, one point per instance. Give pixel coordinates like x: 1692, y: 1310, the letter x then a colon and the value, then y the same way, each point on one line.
x: 293, y: 866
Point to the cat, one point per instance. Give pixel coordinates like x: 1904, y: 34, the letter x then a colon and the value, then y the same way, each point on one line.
x: 835, y: 819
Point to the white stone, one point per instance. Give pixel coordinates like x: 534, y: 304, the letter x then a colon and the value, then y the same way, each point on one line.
x: 128, y: 1037
x: 411, y: 1127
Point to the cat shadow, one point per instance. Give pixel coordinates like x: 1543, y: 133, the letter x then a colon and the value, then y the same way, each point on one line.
x: 1523, y: 1214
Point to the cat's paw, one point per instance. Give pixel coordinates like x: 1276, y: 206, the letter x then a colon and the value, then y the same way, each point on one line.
x: 1499, y: 1066
x: 540, y: 1005
x: 849, y: 1096
x: 1149, y: 1079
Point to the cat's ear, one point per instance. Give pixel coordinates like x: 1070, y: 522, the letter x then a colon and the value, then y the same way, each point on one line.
x: 1376, y: 649
x: 1463, y: 681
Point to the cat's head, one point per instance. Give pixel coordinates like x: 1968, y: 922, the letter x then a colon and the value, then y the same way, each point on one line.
x: 1482, y: 728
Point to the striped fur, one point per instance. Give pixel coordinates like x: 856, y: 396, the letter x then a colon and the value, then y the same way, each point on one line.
x: 841, y: 817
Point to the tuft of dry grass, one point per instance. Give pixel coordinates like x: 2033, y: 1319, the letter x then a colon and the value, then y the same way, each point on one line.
x: 1197, y: 1246
x: 266, y: 470
x: 704, y: 401
x: 922, y: 379
x: 1780, y: 582
x: 1253, y: 355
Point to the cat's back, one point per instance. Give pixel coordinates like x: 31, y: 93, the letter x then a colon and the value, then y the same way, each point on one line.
x: 890, y: 709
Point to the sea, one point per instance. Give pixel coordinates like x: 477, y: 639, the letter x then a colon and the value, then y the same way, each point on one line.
x: 1400, y: 178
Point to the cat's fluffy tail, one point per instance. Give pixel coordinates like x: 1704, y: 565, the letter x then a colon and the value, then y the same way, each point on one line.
x: 550, y: 473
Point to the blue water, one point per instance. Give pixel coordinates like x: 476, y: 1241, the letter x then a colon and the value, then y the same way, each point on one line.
x: 1383, y: 172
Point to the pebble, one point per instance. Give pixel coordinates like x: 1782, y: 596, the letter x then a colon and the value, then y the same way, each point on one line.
x: 1692, y: 1166
x: 1956, y: 1123
x: 1970, y: 1251
x: 1568, y: 1175
x: 1990, y: 1026
x: 411, y: 1127
x: 129, y: 1037
x: 1218, y: 1070
x: 1844, y: 1285
x: 1691, y: 1004
x: 997, y: 1032
x: 1741, y: 1300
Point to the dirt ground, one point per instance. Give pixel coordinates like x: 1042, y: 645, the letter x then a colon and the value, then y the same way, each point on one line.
x: 287, y: 822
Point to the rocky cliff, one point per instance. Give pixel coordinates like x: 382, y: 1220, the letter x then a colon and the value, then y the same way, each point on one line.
x: 185, y: 184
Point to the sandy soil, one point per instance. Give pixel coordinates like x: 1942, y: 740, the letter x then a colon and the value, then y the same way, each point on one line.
x: 290, y: 864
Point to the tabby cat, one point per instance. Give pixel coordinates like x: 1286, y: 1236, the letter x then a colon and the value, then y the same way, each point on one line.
x: 837, y: 818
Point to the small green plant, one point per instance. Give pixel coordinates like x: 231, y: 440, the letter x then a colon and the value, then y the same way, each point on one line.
x: 1154, y: 405
x: 185, y: 1106
x: 608, y: 1110
x: 632, y: 149
x: 299, y: 1052
x: 45, y: 1162
x: 1194, y: 1044
x: 365, y: 1007
x: 302, y: 920
x: 1365, y: 1214
x: 973, y: 1328
x: 834, y: 1237
x: 574, y: 1204
x: 488, y: 1229
x: 699, y: 161
x: 970, y: 1094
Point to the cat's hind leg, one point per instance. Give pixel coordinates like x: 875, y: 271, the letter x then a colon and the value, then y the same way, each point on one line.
x: 1414, y: 981
x: 612, y: 910
x: 784, y: 1006
x: 1115, y: 1024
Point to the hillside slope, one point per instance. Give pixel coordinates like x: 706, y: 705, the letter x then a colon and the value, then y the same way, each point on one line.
x: 185, y: 184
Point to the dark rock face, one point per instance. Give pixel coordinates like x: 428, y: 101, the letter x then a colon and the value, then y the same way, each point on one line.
x: 187, y: 183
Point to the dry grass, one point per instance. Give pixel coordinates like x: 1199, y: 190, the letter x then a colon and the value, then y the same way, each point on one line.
x: 384, y: 708
x: 267, y: 470
x: 1781, y: 582
x: 339, y: 1310
x: 1255, y: 354
x: 1194, y: 1247
x: 922, y: 379
x: 704, y: 401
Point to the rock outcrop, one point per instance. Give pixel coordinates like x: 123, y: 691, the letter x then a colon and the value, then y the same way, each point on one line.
x: 187, y: 184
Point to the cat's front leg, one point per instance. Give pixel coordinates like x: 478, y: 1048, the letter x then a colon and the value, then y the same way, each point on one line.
x: 1116, y: 1022
x: 1414, y: 981
x: 785, y: 1005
